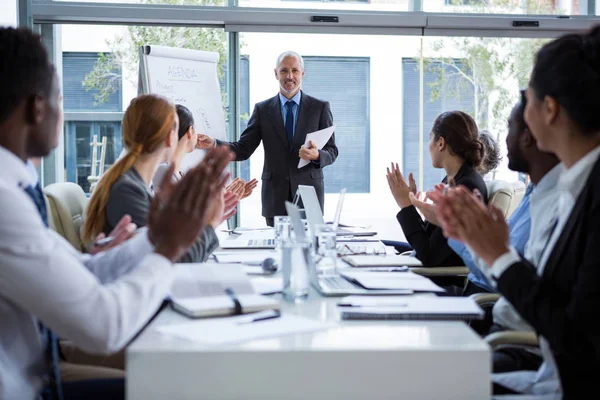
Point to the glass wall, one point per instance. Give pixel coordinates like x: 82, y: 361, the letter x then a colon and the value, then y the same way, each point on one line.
x: 206, y: 3
x: 532, y: 7
x: 375, y: 100
x: 370, y: 5
x: 8, y: 13
x: 385, y: 89
x: 100, y: 77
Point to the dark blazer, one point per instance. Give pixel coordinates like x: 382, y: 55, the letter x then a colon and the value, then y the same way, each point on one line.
x: 428, y: 240
x: 281, y: 175
x: 563, y: 305
x: 130, y: 195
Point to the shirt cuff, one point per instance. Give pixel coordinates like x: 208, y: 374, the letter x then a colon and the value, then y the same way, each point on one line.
x: 146, y: 245
x: 502, y: 263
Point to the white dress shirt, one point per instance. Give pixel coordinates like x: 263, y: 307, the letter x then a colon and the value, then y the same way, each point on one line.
x: 98, y: 302
x: 543, y: 209
x: 570, y: 185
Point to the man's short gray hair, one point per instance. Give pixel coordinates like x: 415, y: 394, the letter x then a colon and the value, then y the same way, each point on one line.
x: 289, y: 54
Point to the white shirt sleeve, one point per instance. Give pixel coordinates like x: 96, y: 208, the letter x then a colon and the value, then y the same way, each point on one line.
x: 110, y: 265
x: 503, y: 262
x: 43, y: 276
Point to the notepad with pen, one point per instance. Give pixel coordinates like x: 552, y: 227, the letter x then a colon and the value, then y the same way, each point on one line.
x: 212, y: 290
x: 409, y: 308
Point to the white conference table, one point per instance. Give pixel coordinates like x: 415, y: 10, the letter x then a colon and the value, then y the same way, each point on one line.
x: 349, y: 360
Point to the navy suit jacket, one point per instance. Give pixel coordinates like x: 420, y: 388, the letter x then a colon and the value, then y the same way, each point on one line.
x: 280, y: 175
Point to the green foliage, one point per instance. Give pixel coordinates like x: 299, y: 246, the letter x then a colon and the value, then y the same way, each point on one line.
x: 495, y: 68
x: 124, y: 50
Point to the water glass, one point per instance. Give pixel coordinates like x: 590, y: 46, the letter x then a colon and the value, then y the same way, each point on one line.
x: 282, y: 230
x: 295, y: 262
x: 325, y: 247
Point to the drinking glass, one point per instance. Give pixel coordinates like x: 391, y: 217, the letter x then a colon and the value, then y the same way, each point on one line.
x: 282, y: 230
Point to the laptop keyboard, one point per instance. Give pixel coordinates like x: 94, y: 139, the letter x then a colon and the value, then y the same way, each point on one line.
x: 337, y: 282
x: 261, y: 243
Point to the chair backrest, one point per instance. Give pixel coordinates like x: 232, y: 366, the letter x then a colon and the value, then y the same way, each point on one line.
x: 67, y: 203
x: 505, y: 195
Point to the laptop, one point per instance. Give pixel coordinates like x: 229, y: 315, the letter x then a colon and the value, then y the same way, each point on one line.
x: 314, y: 214
x: 246, y: 243
x: 334, y: 284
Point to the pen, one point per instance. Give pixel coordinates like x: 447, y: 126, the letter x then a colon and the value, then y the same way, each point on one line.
x: 104, y: 241
x: 373, y: 305
x: 396, y: 269
x: 260, y: 316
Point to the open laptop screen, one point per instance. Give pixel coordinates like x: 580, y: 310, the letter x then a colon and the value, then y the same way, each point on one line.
x: 338, y: 210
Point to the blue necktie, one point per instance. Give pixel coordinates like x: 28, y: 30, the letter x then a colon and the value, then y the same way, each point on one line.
x: 55, y: 390
x: 289, y: 121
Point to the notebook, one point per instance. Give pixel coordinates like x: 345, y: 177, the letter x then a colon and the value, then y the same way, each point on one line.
x: 382, y: 261
x: 210, y: 290
x: 410, y: 308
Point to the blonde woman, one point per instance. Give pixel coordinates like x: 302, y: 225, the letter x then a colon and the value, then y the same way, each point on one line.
x: 150, y: 127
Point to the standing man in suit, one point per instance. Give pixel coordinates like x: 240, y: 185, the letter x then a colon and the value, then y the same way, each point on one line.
x: 282, y: 123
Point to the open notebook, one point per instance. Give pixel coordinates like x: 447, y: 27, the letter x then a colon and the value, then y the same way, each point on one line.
x: 210, y: 290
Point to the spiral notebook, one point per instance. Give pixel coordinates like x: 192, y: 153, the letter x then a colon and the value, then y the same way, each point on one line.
x: 211, y: 290
x: 410, y: 308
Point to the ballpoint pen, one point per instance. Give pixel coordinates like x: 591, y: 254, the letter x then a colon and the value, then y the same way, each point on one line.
x: 260, y: 316
x: 394, y: 269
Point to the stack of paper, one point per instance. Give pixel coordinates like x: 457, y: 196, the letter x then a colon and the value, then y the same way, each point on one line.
x: 382, y: 261
x: 375, y: 280
x: 219, y: 331
x: 390, y: 307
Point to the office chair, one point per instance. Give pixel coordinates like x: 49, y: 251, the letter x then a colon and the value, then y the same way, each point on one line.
x: 505, y: 195
x: 67, y: 203
x: 496, y: 340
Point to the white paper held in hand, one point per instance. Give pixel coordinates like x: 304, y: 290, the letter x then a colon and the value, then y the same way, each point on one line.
x: 320, y: 138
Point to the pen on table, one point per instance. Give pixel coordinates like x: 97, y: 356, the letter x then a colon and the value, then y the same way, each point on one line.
x: 373, y: 305
x: 261, y: 316
x: 395, y: 269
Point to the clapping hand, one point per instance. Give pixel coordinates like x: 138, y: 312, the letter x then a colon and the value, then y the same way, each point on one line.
x: 179, y: 212
x: 236, y: 187
x: 463, y: 216
x: 427, y: 209
x: 249, y: 187
x: 230, y: 202
x: 122, y: 232
x: 398, y: 186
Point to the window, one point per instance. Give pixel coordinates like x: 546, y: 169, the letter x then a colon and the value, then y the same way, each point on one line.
x: 76, y: 66
x: 99, y: 84
x: 8, y: 13
x: 204, y: 3
x: 443, y: 90
x: 79, y: 136
x: 367, y: 5
x: 534, y: 7
x: 88, y: 119
x: 348, y: 96
x: 353, y: 73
